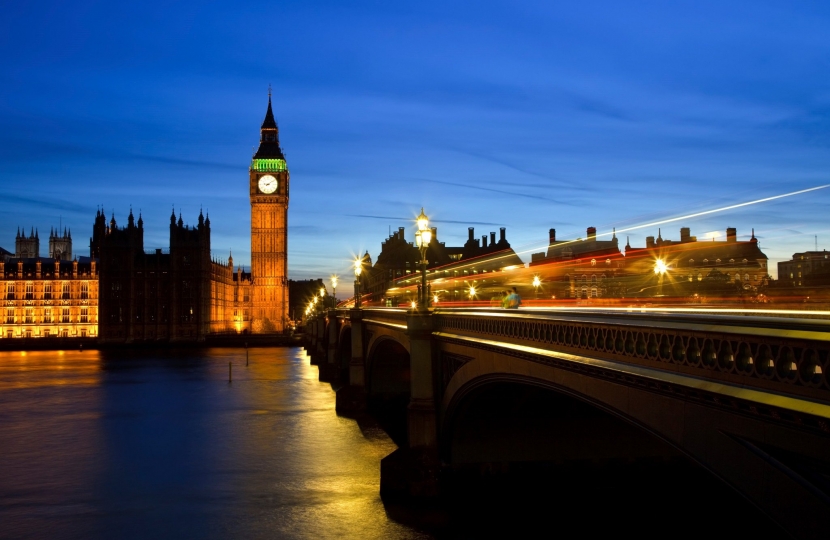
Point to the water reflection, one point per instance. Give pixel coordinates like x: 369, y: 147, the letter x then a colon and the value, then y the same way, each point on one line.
x: 137, y: 445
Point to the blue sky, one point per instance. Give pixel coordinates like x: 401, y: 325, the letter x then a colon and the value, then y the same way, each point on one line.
x: 524, y: 115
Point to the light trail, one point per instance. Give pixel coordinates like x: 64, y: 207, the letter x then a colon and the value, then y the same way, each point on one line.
x: 523, y: 250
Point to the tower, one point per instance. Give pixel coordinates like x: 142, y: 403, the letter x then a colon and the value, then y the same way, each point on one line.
x: 27, y: 247
x: 60, y: 244
x: 268, y: 188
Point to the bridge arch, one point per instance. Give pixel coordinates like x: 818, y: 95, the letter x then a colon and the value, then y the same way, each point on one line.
x: 388, y: 380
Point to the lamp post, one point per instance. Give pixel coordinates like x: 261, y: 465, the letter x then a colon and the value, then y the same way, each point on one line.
x: 323, y: 297
x: 334, y: 289
x: 536, y: 283
x: 423, y: 236
x: 358, y: 267
x: 660, y: 268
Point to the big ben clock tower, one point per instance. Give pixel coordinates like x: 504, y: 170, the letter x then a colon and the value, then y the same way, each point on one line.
x: 269, y: 230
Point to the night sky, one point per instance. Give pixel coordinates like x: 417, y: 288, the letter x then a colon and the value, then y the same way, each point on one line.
x: 525, y: 115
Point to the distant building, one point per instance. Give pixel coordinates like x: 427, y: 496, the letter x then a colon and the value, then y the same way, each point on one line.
x: 47, y: 297
x: 178, y: 295
x: 807, y: 269
x: 581, y: 268
x: 451, y: 269
x: 725, y: 268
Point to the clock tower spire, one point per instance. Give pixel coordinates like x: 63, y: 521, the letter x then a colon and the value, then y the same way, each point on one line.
x: 268, y: 189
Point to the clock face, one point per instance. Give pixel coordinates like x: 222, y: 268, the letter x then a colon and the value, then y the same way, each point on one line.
x: 267, y: 184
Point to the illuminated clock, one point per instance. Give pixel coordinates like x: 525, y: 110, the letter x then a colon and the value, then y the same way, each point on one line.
x: 267, y: 184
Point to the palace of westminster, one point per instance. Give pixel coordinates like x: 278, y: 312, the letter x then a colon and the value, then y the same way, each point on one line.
x: 122, y: 293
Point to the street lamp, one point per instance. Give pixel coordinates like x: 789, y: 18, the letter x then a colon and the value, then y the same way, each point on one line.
x: 472, y: 292
x: 423, y: 236
x: 358, y: 268
x: 660, y: 268
x: 334, y: 289
x: 536, y: 283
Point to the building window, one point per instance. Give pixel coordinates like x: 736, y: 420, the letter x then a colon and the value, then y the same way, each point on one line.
x: 584, y: 277
x: 731, y: 260
x: 594, y: 278
x: 29, y: 318
x: 84, y: 314
x: 65, y: 315
x: 593, y: 262
x: 705, y: 261
x: 65, y: 290
x: 9, y: 315
x: 729, y: 276
x: 9, y: 291
x: 245, y: 315
x: 30, y: 291
x: 593, y: 292
x: 47, y: 315
x: 746, y: 277
x: 608, y: 261
x: 84, y: 290
x: 47, y: 291
x: 699, y: 276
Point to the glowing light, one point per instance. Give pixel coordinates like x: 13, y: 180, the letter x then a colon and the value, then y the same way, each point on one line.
x: 268, y: 165
x: 414, y: 304
x: 423, y: 222
x: 536, y: 281
x: 660, y: 266
x: 322, y: 292
x: 472, y: 291
x: 358, y: 267
x: 334, y: 281
x: 712, y: 235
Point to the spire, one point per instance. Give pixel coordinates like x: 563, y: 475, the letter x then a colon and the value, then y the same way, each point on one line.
x: 181, y: 221
x: 269, y: 140
x: 269, y: 122
x: 173, y: 217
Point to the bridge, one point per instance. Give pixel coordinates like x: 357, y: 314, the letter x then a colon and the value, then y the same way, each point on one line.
x: 745, y: 397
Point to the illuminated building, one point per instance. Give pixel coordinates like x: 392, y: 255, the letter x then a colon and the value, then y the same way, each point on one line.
x: 178, y: 295
x: 581, y: 268
x: 451, y: 269
x: 807, y: 269
x: 725, y: 268
x: 47, y: 297
x: 269, y: 182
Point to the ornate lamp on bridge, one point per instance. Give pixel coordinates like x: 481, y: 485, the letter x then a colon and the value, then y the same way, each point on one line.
x: 358, y: 268
x: 423, y: 236
x: 536, y: 283
x: 334, y: 289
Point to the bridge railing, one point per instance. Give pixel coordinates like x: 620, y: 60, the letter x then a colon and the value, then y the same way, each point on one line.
x: 780, y: 354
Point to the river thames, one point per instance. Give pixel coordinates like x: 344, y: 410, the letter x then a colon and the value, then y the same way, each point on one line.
x: 160, y: 445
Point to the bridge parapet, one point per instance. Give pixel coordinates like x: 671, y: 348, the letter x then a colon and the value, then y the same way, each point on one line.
x: 783, y: 355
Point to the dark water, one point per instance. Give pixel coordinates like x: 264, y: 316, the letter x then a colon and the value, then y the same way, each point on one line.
x: 159, y: 445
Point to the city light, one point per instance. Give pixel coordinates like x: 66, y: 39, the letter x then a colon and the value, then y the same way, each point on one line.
x: 660, y: 266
